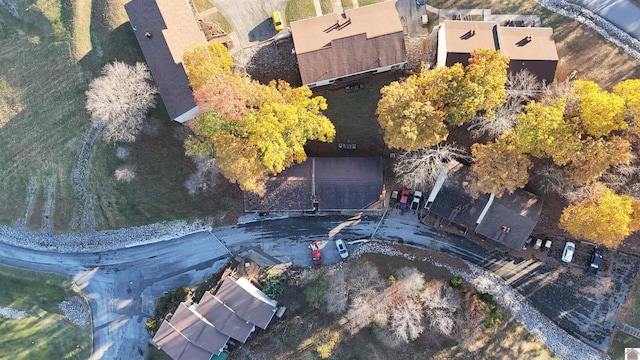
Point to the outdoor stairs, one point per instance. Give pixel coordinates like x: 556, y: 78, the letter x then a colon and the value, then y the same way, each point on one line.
x: 630, y: 330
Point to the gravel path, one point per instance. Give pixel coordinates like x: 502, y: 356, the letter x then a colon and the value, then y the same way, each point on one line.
x: 9, y: 313
x: 559, y: 341
x: 101, y: 240
x: 74, y: 310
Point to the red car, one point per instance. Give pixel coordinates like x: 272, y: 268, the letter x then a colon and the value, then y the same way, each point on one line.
x: 316, y: 257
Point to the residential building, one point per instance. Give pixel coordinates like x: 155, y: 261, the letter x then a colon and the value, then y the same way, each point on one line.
x: 165, y: 29
x: 338, y: 48
x: 531, y: 48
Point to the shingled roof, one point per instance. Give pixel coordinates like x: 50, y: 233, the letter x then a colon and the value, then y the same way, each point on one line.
x: 224, y: 318
x: 249, y: 303
x: 337, y: 45
x: 164, y: 30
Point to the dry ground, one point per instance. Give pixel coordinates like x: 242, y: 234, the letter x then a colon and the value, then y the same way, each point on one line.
x: 303, y: 327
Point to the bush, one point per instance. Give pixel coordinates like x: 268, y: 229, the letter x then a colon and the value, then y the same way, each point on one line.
x: 392, y: 279
x: 314, y: 293
x: 455, y: 282
x: 493, y: 316
x: 151, y: 325
x: 274, y: 284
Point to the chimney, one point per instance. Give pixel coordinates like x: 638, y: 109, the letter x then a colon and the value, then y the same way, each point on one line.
x: 472, y: 32
x: 148, y: 35
x: 528, y: 39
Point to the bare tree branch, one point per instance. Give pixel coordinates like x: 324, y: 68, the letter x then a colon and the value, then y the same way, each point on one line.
x: 523, y: 86
x: 505, y: 118
x: 120, y: 99
x: 421, y: 168
x: 205, y: 177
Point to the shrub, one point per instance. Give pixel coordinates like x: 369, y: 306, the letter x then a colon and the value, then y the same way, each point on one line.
x: 455, y: 282
x: 493, y: 316
x: 274, y: 284
x: 315, y: 291
x: 392, y: 279
x: 151, y: 325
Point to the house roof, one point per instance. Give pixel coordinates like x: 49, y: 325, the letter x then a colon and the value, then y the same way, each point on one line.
x: 336, y: 45
x: 188, y: 336
x: 461, y: 38
x: 173, y: 30
x: 339, y: 183
x: 247, y: 301
x: 224, y: 318
x: 514, y: 44
x: 511, y: 218
x: 465, y: 36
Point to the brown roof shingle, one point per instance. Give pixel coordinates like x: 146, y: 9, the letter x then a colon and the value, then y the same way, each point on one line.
x: 173, y: 30
x: 247, y: 301
x: 224, y: 318
x: 334, y: 45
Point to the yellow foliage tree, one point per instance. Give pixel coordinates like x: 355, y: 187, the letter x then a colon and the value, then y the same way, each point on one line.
x: 498, y: 167
x: 606, y: 220
x: 205, y: 63
x: 543, y: 132
x: 595, y: 157
x: 629, y: 90
x: 276, y: 122
x: 601, y: 112
x: 488, y: 71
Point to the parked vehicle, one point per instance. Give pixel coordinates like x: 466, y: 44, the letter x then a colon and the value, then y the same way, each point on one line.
x: 596, y: 259
x: 417, y: 196
x: 567, y: 254
x: 404, y: 199
x: 316, y: 256
x: 277, y: 20
x: 342, y: 248
x: 528, y: 242
x: 547, y: 245
x: 420, y: 2
x: 537, y: 242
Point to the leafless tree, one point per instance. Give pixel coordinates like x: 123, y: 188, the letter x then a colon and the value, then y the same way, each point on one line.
x: 523, y: 86
x: 205, y: 176
x: 126, y: 173
x: 505, y: 118
x: 552, y: 179
x: 421, y: 168
x: 406, y: 321
x: 337, y: 295
x: 587, y: 192
x: 120, y: 100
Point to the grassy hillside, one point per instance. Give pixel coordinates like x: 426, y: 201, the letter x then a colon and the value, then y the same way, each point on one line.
x: 49, y: 52
x: 45, y: 333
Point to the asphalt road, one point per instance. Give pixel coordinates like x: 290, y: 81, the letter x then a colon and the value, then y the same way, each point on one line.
x: 122, y: 285
x: 622, y: 13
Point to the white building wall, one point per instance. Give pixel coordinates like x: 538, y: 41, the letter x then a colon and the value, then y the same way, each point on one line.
x: 442, y: 48
x: 188, y: 115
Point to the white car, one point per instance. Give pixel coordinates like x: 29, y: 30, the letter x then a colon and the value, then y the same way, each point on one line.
x: 342, y: 249
x: 417, y: 196
x: 567, y: 254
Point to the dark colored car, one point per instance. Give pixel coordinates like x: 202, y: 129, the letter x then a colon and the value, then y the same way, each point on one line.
x: 316, y: 257
x: 596, y: 260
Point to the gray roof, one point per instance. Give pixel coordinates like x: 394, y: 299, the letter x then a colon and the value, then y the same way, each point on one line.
x: 247, y: 301
x: 341, y: 183
x: 511, y: 218
x: 173, y: 30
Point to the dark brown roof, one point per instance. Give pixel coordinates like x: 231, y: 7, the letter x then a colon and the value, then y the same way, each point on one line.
x: 188, y: 336
x: 224, y: 318
x: 173, y: 30
x: 247, y: 301
x: 511, y: 218
x: 334, y: 45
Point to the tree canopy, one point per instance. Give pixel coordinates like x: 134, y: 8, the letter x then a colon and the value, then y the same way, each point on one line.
x: 629, y: 90
x: 414, y: 114
x: 120, y: 99
x: 498, y: 167
x: 265, y: 136
x: 606, y: 220
x: 204, y: 63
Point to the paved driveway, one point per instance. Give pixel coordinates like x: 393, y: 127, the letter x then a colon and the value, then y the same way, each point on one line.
x: 622, y: 13
x: 250, y: 19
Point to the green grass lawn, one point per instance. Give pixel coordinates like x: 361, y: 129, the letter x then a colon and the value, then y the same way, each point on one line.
x: 347, y: 4
x: 299, y: 9
x: 45, y: 334
x: 326, y: 6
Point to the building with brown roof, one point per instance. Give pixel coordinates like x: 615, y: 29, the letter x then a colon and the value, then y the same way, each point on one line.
x: 164, y: 30
x: 188, y: 336
x: 530, y: 48
x: 337, y: 48
x: 203, y: 330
